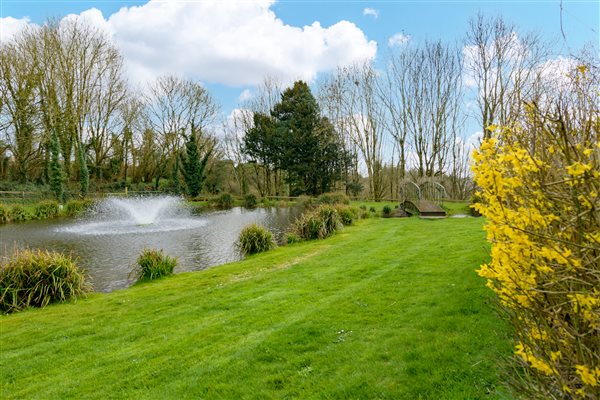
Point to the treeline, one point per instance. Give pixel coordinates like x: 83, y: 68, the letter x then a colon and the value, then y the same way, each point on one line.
x: 71, y: 121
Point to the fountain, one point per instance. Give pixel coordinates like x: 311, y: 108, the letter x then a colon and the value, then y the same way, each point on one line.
x: 114, y: 216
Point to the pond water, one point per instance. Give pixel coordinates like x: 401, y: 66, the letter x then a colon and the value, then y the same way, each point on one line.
x: 108, y: 240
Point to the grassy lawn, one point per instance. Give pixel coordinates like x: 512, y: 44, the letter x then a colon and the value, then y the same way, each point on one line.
x: 390, y: 308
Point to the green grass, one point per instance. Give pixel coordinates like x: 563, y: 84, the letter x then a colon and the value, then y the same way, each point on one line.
x: 454, y: 207
x: 388, y: 308
x: 378, y: 205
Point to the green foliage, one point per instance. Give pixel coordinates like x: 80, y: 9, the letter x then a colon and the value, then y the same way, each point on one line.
x: 473, y: 206
x: 317, y: 224
x: 250, y: 200
x: 306, y: 202
x: 333, y: 198
x: 84, y: 173
x: 154, y: 264
x: 386, y: 211
x: 372, y: 209
x: 46, y: 209
x: 56, y: 168
x: 194, y: 164
x: 4, y: 214
x: 363, y: 207
x: 74, y: 208
x: 225, y: 201
x: 33, y: 278
x: 255, y: 239
x: 347, y: 214
x: 18, y: 213
x: 291, y: 238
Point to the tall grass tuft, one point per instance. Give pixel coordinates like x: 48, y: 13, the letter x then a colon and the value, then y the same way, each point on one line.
x: 36, y: 278
x: 386, y: 212
x: 317, y: 224
x: 46, y: 209
x: 250, y: 200
x: 225, y: 201
x: 74, y: 208
x: 347, y: 214
x: 255, y: 239
x: 154, y: 264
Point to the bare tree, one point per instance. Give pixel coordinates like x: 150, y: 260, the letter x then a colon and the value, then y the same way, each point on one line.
x: 502, y: 65
x: 19, y: 114
x: 423, y: 97
x: 358, y: 113
x: 175, y: 108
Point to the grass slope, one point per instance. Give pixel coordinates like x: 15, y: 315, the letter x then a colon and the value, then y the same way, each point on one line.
x: 390, y: 308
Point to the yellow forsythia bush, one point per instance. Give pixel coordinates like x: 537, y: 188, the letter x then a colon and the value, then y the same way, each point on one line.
x: 539, y: 182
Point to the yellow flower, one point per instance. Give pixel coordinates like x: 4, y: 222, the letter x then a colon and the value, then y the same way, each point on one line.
x: 577, y: 169
x: 589, y: 376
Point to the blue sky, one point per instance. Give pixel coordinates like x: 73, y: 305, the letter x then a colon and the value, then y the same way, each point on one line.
x: 371, y: 24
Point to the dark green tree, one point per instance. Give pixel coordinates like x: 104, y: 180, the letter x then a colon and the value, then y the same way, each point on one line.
x: 56, y: 168
x: 260, y: 145
x: 194, y: 164
x: 305, y: 145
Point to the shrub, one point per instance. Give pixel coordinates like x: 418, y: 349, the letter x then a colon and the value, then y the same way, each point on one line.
x: 333, y: 198
x: 363, y: 207
x: 473, y: 206
x: 386, y: 211
x: 539, y: 182
x: 250, y: 200
x: 347, y: 214
x: 306, y: 202
x: 255, y: 239
x: 225, y: 201
x: 74, y: 208
x: 292, y: 237
x: 364, y: 214
x: 317, y: 224
x: 154, y: 264
x: 46, y: 209
x: 36, y: 278
x: 18, y: 213
x: 372, y: 209
x: 3, y: 214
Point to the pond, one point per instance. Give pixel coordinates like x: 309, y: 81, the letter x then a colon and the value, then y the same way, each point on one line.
x: 108, y: 240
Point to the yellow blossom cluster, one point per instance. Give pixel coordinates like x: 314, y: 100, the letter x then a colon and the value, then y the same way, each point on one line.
x: 539, y: 185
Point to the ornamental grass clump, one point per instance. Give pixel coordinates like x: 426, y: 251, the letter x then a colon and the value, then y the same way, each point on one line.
x: 225, y: 201
x: 317, y: 224
x: 36, y: 278
x: 250, y: 200
x: 154, y: 264
x: 255, y: 239
x: 74, y: 208
x: 347, y: 214
x: 46, y: 209
x: 539, y: 187
x: 386, y: 212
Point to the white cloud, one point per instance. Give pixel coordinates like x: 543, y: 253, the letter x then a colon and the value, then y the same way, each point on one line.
x: 371, y: 12
x: 245, y: 95
x: 233, y: 43
x: 398, y: 39
x: 9, y: 26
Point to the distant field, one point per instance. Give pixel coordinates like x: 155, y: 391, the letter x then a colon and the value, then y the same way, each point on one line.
x: 390, y: 308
